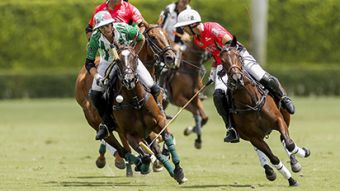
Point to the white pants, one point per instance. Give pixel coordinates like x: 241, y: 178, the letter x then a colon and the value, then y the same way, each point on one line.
x: 142, y: 72
x: 249, y: 64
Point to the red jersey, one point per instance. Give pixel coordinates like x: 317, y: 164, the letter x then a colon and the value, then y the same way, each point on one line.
x: 211, y: 36
x: 123, y: 12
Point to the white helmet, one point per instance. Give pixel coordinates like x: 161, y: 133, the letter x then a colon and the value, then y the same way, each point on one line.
x: 187, y: 17
x: 102, y: 18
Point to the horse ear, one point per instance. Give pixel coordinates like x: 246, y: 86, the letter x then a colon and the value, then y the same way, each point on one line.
x: 233, y: 42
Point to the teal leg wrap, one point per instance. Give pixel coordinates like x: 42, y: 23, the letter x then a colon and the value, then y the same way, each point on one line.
x: 132, y: 159
x: 166, y: 164
x: 171, y: 147
x: 145, y: 168
x: 102, y: 148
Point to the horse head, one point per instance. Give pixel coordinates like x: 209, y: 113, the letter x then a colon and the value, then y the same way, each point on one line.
x: 127, y: 66
x: 159, y: 44
x: 232, y: 64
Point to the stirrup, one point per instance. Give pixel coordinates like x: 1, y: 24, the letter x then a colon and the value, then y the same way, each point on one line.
x: 102, y: 127
x: 232, y: 136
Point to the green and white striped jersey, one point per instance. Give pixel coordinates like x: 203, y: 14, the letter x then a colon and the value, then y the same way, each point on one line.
x: 124, y: 34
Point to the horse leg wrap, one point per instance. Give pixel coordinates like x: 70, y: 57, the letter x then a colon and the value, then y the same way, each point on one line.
x: 166, y: 164
x: 168, y: 139
x: 102, y: 147
x: 198, y: 126
x: 300, y: 152
x: 132, y: 159
x: 262, y: 157
x: 283, y: 170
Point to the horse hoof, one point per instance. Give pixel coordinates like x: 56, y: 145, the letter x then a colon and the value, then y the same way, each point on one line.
x: 120, y: 164
x: 179, y: 175
x: 307, y: 152
x: 295, y: 165
x: 188, y: 131
x: 270, y: 174
x: 157, y: 166
x: 129, y: 172
x: 100, y: 162
x: 292, y: 182
x: 198, y: 144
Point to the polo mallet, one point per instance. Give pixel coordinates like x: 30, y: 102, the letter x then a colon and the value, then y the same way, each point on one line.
x: 182, y: 108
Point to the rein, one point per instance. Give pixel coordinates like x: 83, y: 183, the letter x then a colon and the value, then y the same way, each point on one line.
x: 157, y: 51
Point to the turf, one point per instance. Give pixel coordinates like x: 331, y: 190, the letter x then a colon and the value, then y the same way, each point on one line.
x: 47, y: 145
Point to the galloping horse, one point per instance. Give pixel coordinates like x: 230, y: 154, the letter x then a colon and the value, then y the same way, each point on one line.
x: 137, y: 114
x: 183, y: 83
x: 255, y: 114
x: 155, y: 50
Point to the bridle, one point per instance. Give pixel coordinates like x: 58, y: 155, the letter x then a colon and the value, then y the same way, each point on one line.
x: 157, y: 51
x: 128, y: 77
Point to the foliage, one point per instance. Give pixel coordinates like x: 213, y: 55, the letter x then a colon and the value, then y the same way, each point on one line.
x: 49, y: 36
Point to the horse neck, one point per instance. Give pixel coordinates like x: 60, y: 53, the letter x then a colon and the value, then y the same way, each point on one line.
x: 129, y: 94
x: 248, y: 94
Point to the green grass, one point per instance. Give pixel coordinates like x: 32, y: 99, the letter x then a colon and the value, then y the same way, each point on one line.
x: 47, y: 145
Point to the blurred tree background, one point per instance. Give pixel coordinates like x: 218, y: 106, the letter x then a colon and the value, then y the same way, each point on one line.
x: 43, y: 42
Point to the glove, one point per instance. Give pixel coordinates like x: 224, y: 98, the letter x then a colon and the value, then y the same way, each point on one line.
x: 100, y: 81
x: 212, y: 74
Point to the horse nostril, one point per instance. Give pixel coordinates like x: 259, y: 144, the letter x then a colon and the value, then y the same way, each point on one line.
x: 169, y: 59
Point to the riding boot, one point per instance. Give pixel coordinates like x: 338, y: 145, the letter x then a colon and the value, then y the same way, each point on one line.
x: 104, y: 111
x: 155, y: 91
x: 273, y: 85
x: 222, y: 107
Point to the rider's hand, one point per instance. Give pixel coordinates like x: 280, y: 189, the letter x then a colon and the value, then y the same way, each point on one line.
x: 100, y: 81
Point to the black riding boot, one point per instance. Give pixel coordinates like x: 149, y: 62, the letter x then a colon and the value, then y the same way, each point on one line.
x: 155, y: 91
x: 222, y: 105
x: 273, y: 85
x: 104, y: 110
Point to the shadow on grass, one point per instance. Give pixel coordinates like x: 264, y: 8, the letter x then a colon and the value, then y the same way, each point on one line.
x: 91, y: 183
x: 220, y: 185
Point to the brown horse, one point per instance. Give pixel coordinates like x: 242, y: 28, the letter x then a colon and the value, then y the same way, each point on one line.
x: 255, y: 114
x: 137, y: 115
x: 155, y: 50
x: 183, y: 83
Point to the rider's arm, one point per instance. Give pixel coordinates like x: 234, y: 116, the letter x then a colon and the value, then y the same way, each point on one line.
x: 137, y: 36
x: 139, y: 45
x: 92, y: 49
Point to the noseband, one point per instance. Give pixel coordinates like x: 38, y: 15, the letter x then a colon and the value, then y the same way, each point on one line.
x: 158, y: 51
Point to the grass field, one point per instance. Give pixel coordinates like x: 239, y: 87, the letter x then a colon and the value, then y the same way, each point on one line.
x: 47, y: 145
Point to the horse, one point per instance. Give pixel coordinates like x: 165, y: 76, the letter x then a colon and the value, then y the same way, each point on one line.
x: 183, y: 83
x: 138, y: 114
x: 155, y: 50
x: 255, y: 114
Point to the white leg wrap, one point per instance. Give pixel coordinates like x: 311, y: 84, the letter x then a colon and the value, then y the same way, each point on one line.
x: 262, y: 157
x: 110, y: 148
x: 144, y: 75
x: 283, y: 170
x: 300, y: 152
